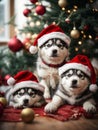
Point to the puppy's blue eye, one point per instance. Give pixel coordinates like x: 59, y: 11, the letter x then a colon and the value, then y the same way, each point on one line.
x: 60, y: 46
x: 20, y: 94
x: 81, y: 76
x: 48, y: 45
x: 69, y: 75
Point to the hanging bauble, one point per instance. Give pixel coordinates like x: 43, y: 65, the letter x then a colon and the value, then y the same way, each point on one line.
x: 85, y: 28
x: 3, y: 101
x: 1, y: 80
x: 62, y: 3
x: 40, y: 10
x: 33, y: 1
x: 27, y: 43
x: 15, y: 44
x: 67, y: 20
x: 27, y: 115
x: 75, y: 33
x: 96, y: 38
x: 6, y: 78
x: 26, y: 12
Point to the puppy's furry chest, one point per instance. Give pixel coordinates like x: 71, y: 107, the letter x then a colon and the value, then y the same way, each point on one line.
x: 45, y: 71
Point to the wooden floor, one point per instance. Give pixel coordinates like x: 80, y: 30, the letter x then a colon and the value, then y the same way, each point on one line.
x: 44, y: 123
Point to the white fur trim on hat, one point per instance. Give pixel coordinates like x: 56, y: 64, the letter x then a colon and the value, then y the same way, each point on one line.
x: 79, y: 66
x: 60, y: 35
x: 33, y: 49
x: 11, y: 81
x: 28, y: 83
x: 93, y: 88
x: 24, y: 84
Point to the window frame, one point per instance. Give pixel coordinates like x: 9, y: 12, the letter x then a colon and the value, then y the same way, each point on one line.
x: 11, y: 27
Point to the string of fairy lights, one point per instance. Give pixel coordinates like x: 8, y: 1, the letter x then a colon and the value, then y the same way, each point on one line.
x: 75, y: 33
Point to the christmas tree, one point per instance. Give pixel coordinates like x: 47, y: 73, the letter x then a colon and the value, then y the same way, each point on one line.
x: 78, y: 19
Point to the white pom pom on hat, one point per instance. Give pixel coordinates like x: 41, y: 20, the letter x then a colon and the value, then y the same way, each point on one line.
x: 11, y: 81
x: 52, y: 31
x: 33, y: 49
x: 93, y: 88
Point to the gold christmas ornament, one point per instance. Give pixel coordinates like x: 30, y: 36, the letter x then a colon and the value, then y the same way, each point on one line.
x: 75, y: 33
x: 62, y: 3
x: 27, y: 115
x: 3, y: 101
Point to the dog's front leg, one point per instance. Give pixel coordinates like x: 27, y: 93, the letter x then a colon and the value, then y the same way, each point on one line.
x: 54, y: 104
x: 46, y: 91
x: 15, y: 105
x: 89, y: 106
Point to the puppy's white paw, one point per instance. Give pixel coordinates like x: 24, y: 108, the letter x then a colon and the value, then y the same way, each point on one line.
x: 50, y: 108
x: 38, y: 104
x: 88, y: 107
x: 17, y: 105
x: 47, y: 95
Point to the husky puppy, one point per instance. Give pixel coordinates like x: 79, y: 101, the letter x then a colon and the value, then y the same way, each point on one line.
x: 52, y: 55
x: 52, y: 46
x: 24, y: 90
x: 26, y: 97
x: 75, y: 88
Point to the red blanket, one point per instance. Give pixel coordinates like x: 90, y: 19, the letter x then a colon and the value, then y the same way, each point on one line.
x: 64, y: 113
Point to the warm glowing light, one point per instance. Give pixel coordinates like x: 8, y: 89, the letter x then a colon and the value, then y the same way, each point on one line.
x: 75, y: 6
x: 83, y: 50
x: 84, y: 36
x: 37, y: 23
x: 63, y: 8
x: 90, y: 36
x: 76, y: 49
x: 29, y: 18
x: 32, y: 24
x: 82, y: 32
x: 29, y: 35
x: 69, y: 11
x: 80, y: 42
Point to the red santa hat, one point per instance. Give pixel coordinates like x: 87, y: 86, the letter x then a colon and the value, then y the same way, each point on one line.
x: 82, y: 63
x: 23, y: 79
x: 52, y: 31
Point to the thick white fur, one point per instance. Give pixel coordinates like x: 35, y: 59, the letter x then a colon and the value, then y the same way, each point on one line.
x: 49, y: 75
x: 57, y: 101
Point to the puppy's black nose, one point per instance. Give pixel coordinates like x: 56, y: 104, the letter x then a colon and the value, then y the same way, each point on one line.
x: 74, y: 82
x: 54, y: 51
x: 26, y: 101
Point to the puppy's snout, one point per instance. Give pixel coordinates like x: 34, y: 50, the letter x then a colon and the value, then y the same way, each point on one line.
x: 26, y: 101
x: 54, y: 51
x: 74, y: 82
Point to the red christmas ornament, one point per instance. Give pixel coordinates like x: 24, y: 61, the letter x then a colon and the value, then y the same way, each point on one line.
x: 27, y: 43
x: 40, y: 9
x: 67, y: 20
x: 15, y: 44
x: 6, y: 78
x: 1, y: 80
x: 26, y: 12
x: 86, y: 27
x: 33, y: 1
